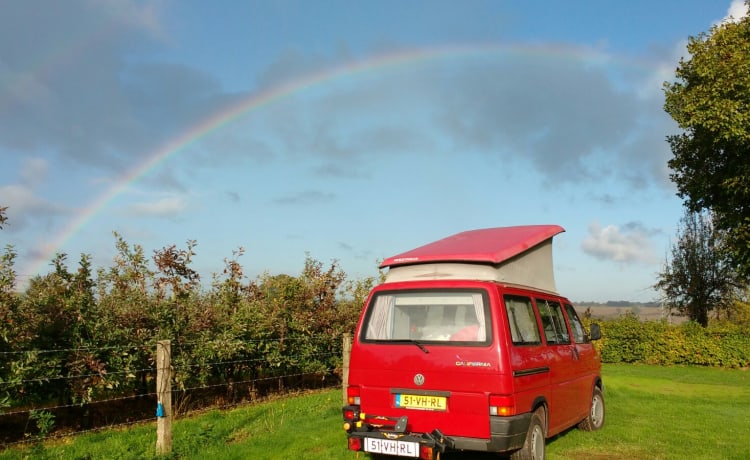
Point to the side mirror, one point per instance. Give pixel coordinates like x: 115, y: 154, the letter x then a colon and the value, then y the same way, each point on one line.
x: 596, y: 332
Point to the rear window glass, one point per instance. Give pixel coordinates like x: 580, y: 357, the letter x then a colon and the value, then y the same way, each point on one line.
x: 434, y: 316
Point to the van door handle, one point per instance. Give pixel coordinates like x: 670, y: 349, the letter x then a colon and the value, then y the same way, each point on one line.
x: 574, y: 351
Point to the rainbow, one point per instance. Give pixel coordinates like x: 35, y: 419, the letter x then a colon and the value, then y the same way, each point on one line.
x: 262, y: 99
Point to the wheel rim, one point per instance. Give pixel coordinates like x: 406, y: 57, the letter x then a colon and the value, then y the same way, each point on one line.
x: 537, y: 443
x: 597, y: 411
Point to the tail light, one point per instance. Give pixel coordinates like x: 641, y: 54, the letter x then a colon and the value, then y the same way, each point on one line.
x: 426, y: 453
x: 355, y: 444
x: 352, y: 396
x: 502, y: 405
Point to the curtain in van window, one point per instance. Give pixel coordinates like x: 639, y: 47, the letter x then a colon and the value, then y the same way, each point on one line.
x: 380, y: 318
x: 479, y: 310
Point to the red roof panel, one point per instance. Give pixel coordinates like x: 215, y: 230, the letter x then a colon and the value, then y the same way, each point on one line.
x: 489, y: 245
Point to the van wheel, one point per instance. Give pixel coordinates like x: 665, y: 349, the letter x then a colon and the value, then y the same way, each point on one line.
x: 595, y: 419
x: 534, y: 445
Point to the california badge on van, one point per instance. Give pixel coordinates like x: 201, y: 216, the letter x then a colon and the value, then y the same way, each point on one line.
x: 468, y: 346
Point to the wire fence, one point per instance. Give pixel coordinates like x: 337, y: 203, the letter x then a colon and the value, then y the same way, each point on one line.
x: 195, y: 387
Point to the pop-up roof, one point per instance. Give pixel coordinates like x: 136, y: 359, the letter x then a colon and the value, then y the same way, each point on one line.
x: 516, y: 255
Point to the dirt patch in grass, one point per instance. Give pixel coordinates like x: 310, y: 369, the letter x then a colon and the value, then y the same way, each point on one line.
x: 239, y: 436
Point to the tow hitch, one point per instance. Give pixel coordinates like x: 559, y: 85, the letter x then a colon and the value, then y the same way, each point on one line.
x: 387, y: 435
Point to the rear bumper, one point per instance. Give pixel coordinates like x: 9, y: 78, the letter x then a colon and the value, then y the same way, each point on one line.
x: 435, y: 441
x: 506, y: 434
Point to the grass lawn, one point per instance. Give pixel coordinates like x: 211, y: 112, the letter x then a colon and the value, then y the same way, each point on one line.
x: 666, y: 413
x: 652, y: 413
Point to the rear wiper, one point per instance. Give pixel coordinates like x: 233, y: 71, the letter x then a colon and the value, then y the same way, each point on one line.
x: 421, y: 347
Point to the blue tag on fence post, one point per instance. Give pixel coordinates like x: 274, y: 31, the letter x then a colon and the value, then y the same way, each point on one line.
x: 159, y: 409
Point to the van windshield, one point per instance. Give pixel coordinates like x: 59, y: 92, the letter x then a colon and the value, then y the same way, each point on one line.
x: 434, y: 316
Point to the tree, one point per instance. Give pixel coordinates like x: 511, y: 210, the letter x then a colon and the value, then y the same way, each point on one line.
x: 698, y: 278
x: 8, y: 297
x: 710, y: 101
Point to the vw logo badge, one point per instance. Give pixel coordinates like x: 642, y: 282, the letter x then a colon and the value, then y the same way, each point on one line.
x: 419, y: 379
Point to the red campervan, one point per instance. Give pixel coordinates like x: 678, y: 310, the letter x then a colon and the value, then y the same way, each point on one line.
x: 468, y: 346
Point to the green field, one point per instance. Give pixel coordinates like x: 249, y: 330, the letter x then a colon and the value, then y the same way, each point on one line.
x: 652, y: 413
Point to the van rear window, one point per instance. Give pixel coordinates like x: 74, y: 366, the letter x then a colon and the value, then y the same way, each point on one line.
x: 434, y: 316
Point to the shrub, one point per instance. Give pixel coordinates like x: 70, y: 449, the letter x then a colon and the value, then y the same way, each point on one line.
x: 628, y: 340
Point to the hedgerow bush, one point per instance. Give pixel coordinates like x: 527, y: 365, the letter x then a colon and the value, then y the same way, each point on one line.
x: 629, y: 340
x: 74, y: 336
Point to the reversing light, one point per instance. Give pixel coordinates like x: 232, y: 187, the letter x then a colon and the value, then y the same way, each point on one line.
x: 502, y: 406
x: 352, y: 396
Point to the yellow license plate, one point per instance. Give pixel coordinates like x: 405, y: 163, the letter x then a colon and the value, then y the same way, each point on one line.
x: 421, y: 402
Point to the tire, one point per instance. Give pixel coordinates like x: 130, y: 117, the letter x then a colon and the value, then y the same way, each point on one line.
x: 535, y: 444
x: 595, y: 420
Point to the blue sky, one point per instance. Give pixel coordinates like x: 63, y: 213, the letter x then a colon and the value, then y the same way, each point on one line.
x: 349, y: 131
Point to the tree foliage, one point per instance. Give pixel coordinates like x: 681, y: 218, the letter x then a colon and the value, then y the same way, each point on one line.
x: 710, y: 101
x: 697, y: 278
x: 74, y: 336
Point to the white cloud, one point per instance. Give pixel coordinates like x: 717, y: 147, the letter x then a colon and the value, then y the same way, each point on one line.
x: 629, y: 244
x: 169, y: 206
x: 24, y: 206
x: 19, y: 197
x: 737, y: 10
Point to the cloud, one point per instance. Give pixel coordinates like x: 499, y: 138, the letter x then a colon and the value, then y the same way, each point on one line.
x: 233, y: 196
x: 737, y: 10
x: 91, y: 101
x: 34, y: 171
x: 169, y: 206
x: 629, y: 244
x: 75, y: 89
x: 308, y: 197
x: 25, y: 208
x: 571, y: 118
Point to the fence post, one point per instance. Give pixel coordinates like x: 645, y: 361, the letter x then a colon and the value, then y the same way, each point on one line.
x: 345, y: 366
x: 164, y: 397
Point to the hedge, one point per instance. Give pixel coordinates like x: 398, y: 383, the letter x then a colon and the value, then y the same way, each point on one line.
x: 629, y: 340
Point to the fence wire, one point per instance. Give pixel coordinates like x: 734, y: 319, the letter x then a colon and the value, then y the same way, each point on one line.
x: 180, y: 391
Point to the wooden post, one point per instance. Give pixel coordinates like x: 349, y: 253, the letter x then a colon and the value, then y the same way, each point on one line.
x: 164, y: 397
x: 345, y: 366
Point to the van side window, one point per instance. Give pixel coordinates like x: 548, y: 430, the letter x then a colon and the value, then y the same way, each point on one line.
x: 522, y: 321
x: 553, y: 322
x: 579, y: 333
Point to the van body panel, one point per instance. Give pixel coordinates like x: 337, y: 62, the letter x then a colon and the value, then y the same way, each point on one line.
x: 449, y: 356
x: 468, y: 374
x: 531, y: 373
x: 489, y: 245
